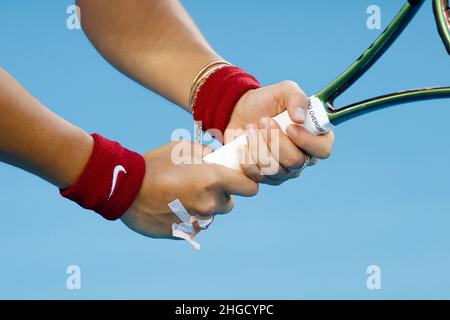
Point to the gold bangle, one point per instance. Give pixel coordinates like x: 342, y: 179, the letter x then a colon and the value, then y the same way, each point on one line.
x: 209, y: 65
x: 196, y: 87
x: 200, y: 83
x: 201, y: 77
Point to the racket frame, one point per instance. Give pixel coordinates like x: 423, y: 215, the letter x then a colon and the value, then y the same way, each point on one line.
x: 441, y: 12
x: 364, y: 62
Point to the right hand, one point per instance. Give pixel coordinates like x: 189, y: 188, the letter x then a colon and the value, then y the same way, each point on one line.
x: 203, y: 189
x: 274, y: 162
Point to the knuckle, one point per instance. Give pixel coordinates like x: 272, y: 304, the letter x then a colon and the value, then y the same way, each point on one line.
x: 289, y: 84
x: 293, y: 162
x: 326, y: 152
x: 252, y: 171
x: 299, y: 139
x: 271, y: 170
x: 212, y: 181
x: 247, y: 169
x: 209, y: 207
x: 254, y: 189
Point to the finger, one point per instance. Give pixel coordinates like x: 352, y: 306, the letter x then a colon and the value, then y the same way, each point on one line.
x: 260, y: 152
x: 289, y: 95
x: 276, y: 181
x: 213, y: 202
x: 236, y: 182
x: 226, y: 204
x: 248, y: 165
x: 282, y: 148
x: 316, y: 146
x: 253, y: 171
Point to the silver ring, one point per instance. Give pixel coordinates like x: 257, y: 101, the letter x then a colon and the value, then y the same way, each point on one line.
x: 306, y: 163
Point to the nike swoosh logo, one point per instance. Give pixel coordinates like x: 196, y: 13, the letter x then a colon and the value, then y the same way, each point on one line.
x: 117, y: 170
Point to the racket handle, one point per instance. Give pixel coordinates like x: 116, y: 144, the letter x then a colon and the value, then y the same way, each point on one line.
x: 316, y: 122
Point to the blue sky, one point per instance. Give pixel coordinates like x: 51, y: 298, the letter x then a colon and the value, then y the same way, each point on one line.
x: 381, y: 199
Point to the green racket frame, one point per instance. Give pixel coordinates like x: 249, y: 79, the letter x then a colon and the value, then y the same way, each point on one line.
x: 369, y: 57
x: 442, y: 15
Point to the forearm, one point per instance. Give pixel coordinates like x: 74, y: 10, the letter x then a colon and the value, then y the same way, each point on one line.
x: 35, y: 139
x: 155, y: 42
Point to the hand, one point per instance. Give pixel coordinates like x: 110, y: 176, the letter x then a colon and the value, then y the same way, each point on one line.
x: 253, y: 113
x: 176, y: 171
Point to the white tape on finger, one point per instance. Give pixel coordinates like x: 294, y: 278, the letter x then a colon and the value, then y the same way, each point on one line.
x: 179, y: 231
x: 177, y: 207
x: 186, y: 230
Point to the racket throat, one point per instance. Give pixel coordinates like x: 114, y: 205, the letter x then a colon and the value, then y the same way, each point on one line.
x: 385, y: 101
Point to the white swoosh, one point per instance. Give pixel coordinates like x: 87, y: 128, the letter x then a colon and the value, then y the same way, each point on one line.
x: 117, y: 170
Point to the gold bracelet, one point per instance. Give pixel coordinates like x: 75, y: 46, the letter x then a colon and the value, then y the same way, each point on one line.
x: 197, y: 86
x: 201, y: 77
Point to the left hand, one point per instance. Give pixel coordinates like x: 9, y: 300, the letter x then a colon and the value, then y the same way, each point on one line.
x: 268, y: 160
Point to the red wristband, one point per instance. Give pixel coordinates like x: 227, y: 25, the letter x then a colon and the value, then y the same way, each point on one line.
x: 110, y: 181
x: 219, y: 94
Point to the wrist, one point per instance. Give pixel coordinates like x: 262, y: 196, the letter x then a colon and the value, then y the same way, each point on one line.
x: 201, y: 77
x: 77, y: 154
x: 110, y: 181
x: 238, y: 119
x: 217, y: 97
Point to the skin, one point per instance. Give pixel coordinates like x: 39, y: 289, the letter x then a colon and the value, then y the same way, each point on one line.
x: 204, y: 198
x: 35, y: 139
x: 253, y: 113
x: 150, y: 41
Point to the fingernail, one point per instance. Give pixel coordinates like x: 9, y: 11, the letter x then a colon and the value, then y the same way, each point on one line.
x: 264, y: 123
x: 251, y: 131
x: 299, y: 114
x: 291, y: 131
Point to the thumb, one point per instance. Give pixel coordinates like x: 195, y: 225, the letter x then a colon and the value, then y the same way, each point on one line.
x: 291, y: 97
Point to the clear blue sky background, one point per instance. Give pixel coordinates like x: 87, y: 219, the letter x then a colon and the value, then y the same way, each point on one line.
x: 382, y: 198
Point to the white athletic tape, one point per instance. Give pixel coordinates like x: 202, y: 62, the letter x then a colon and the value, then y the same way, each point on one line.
x: 203, y: 223
x: 179, y: 231
x: 180, y: 211
x: 316, y: 122
x: 186, y: 230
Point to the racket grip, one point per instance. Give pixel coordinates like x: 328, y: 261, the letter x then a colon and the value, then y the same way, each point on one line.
x: 316, y: 122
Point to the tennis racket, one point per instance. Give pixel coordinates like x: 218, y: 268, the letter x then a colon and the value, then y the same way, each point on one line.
x: 322, y: 116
